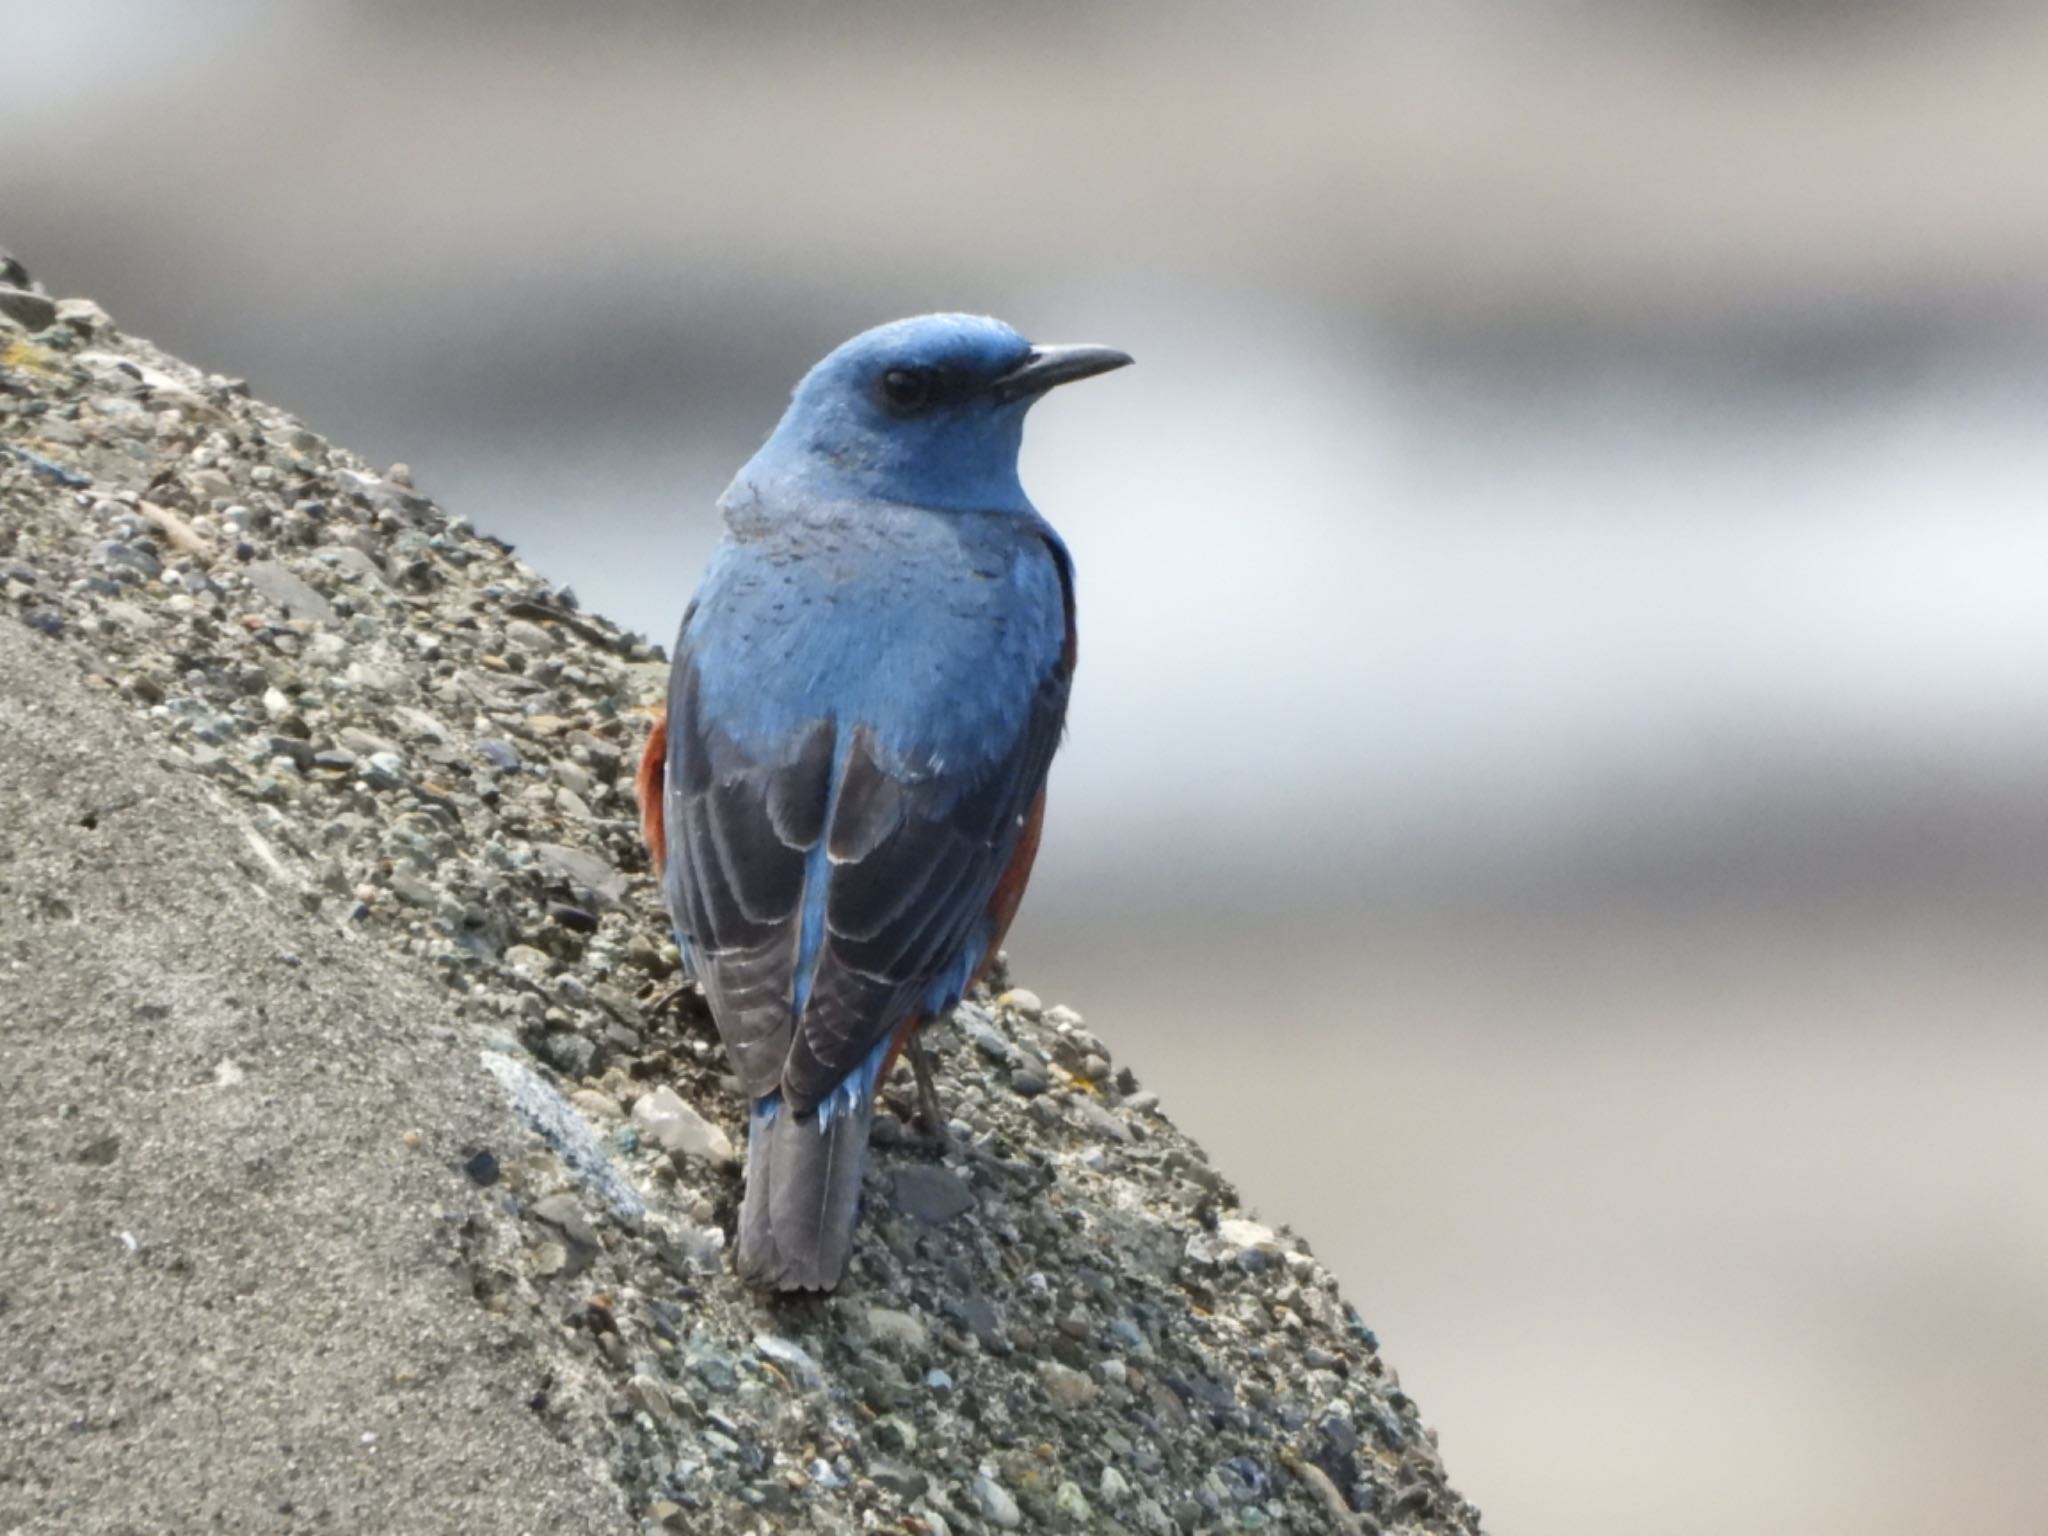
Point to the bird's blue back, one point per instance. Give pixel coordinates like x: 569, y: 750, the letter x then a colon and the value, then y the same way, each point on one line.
x: 934, y: 630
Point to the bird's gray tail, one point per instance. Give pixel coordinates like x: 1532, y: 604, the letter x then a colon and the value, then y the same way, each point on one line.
x: 803, y: 1191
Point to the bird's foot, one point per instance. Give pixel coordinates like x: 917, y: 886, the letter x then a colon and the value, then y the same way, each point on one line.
x: 672, y: 1001
x: 928, y: 1110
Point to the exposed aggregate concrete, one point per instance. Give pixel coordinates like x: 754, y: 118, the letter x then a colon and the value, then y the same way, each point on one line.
x: 421, y: 754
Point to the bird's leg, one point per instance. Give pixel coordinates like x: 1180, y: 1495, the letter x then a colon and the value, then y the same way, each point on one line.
x: 677, y: 1003
x: 927, y: 1093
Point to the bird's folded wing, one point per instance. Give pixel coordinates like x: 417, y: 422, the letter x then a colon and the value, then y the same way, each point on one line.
x: 830, y: 865
x: 913, y: 856
x: 740, y: 826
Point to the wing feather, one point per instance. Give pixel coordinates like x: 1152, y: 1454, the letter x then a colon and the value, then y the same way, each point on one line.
x: 899, y: 916
x: 739, y: 834
x: 910, y: 850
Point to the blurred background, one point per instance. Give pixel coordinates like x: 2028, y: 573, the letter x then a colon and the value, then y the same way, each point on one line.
x: 1556, y: 791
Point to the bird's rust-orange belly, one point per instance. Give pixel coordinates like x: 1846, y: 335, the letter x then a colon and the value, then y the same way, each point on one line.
x: 648, y: 785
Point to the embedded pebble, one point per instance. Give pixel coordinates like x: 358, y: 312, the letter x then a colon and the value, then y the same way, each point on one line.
x: 1101, y: 1121
x: 1240, y: 1232
x: 929, y: 1194
x: 523, y: 957
x: 677, y: 1127
x: 499, y: 754
x: 990, y: 1042
x: 289, y: 593
x: 651, y: 1398
x: 599, y: 1106
x: 529, y: 636
x: 906, y: 1482
x: 1069, y: 1388
x: 996, y: 1502
x: 894, y: 1330
x: 30, y: 311
x: 793, y: 1359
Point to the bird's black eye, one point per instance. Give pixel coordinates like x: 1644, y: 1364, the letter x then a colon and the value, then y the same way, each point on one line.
x: 906, y: 389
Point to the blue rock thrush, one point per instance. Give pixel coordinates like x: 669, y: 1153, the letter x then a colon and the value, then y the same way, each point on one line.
x: 846, y: 794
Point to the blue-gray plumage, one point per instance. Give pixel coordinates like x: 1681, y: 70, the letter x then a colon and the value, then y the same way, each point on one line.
x: 866, y: 696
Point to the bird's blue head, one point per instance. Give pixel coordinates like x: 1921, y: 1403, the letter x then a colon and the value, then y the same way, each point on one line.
x: 928, y: 411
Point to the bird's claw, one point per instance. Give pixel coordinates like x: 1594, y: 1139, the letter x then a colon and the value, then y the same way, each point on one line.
x: 670, y: 1001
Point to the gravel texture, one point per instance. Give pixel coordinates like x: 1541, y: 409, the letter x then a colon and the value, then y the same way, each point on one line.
x: 364, y: 1169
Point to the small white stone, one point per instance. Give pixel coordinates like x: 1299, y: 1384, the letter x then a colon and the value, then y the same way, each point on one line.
x: 996, y: 1503
x: 676, y: 1126
x: 1239, y: 1233
x: 529, y: 636
x: 648, y: 1395
x: 1072, y: 1503
x: 525, y: 958
x: 891, y: 1329
x: 1022, y: 1003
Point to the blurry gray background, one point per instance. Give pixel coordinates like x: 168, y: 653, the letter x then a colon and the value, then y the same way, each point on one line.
x: 1556, y: 789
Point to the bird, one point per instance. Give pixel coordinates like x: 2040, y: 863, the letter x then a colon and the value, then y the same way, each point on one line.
x: 845, y: 792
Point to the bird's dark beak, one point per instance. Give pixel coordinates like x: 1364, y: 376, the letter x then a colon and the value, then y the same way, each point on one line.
x: 1043, y: 367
